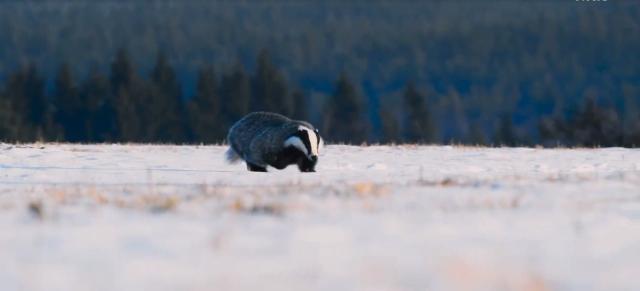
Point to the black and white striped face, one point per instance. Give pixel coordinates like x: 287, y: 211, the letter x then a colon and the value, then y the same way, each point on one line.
x: 307, y: 140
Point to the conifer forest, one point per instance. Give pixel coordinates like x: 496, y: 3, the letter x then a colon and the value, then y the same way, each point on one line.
x: 497, y: 73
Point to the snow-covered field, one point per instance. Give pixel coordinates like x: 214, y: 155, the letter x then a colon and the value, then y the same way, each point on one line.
x: 138, y: 217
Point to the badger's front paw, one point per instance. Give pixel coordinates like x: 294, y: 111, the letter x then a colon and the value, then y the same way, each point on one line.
x: 255, y: 168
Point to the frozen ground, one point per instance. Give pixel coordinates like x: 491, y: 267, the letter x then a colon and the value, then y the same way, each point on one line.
x: 102, y: 217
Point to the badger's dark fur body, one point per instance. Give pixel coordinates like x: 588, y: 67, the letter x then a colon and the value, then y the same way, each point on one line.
x: 264, y: 139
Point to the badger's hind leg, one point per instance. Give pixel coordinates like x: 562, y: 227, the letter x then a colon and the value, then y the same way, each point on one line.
x: 255, y: 168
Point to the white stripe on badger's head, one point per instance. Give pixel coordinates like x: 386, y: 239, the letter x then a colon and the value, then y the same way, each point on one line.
x: 296, y: 142
x: 313, y: 139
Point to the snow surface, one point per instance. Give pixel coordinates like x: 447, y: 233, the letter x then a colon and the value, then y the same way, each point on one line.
x: 141, y: 217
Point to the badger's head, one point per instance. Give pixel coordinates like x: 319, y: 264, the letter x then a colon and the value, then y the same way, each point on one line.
x: 309, y: 143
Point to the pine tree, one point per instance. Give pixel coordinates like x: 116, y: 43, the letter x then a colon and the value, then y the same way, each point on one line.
x: 166, y: 103
x: 390, y: 127
x: 417, y: 126
x: 454, y: 122
x: 38, y: 103
x: 131, y: 94
x: 204, y: 111
x: 505, y: 133
x: 10, y: 122
x: 122, y: 74
x: 70, y: 109
x: 14, y: 108
x: 630, y: 116
x: 269, y: 88
x: 596, y: 126
x: 235, y: 92
x: 102, y: 123
x: 164, y: 77
x: 25, y: 95
x: 344, y: 114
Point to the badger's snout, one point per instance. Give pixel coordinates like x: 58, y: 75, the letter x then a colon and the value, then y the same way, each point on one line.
x: 308, y: 164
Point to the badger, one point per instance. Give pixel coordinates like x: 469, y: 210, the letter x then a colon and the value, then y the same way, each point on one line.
x: 264, y: 139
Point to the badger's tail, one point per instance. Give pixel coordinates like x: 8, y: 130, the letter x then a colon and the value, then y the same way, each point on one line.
x: 232, y: 156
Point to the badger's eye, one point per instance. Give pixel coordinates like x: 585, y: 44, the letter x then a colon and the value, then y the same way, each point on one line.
x: 316, y: 130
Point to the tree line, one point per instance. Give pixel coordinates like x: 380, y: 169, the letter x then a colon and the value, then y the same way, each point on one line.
x: 489, y: 72
x: 123, y: 106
